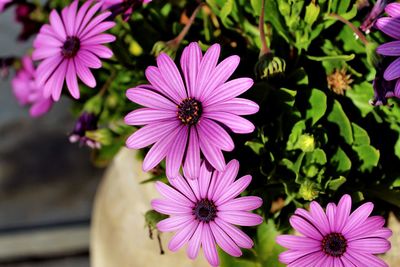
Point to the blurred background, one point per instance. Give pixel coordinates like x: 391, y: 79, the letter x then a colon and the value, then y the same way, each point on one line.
x: 47, y: 185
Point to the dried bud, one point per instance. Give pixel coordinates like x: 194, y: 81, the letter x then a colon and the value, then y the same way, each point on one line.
x: 269, y: 66
x: 339, y: 81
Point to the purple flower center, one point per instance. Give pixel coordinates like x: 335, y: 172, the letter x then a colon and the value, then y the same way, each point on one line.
x: 205, y: 210
x: 71, y: 47
x: 334, y: 244
x: 189, y: 111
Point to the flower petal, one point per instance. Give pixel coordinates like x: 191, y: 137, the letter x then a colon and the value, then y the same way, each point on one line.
x: 235, y: 123
x: 57, y: 24
x: 305, y: 228
x: 173, y: 195
x: 369, y: 245
x: 237, y: 235
x: 195, y: 242
x: 209, y: 248
x: 242, y: 218
x: 370, y: 225
x: 170, y: 208
x: 85, y: 74
x: 215, y: 134
x: 212, y: 153
x: 342, y: 213
x: 182, y: 237
x: 204, y: 179
x: 191, y: 166
x: 358, y: 217
x: 389, y: 49
x: 224, y: 241
x: 182, y: 186
x: 174, y: 223
x: 390, y: 26
x: 175, y: 154
x: 226, y: 178
x: 190, y: 63
x: 72, y: 80
x: 206, y: 68
x: 171, y: 75
x: 234, y: 190
x: 153, y: 75
x: 144, y: 116
x: 247, y: 203
x: 298, y: 242
x: 392, y: 72
x: 237, y: 106
x: 393, y: 10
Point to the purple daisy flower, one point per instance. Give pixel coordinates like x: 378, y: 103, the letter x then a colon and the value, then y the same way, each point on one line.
x: 203, y: 212
x: 86, y: 122
x: 390, y: 25
x: 184, y: 119
x: 336, y: 237
x: 27, y: 91
x: 69, y: 46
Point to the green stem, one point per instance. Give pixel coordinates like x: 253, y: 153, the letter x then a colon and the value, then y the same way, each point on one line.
x: 264, y: 47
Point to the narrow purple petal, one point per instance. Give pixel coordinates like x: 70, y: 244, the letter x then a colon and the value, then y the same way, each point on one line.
x: 80, y: 15
x: 393, y: 10
x: 166, y: 207
x: 330, y: 214
x: 182, y: 186
x: 242, y: 218
x: 84, y: 74
x: 88, y: 16
x: 390, y: 26
x: 228, y: 90
x: 154, y: 76
x: 238, y: 236
x: 209, y: 248
x: 41, y: 107
x: 96, y: 26
x: 55, y: 84
x: 204, y: 182
x: 207, y: 66
x: 235, y: 123
x: 370, y: 225
x: 172, y: 195
x: 72, y: 80
x: 237, y: 106
x: 392, y: 72
x: 234, y: 190
x: 212, y: 153
x: 366, y: 260
x: 195, y: 242
x: 58, y: 25
x: 215, y: 134
x: 175, y: 154
x: 171, y: 75
x: 150, y: 134
x: 190, y: 63
x: 220, y: 75
x: 369, y: 245
x: 182, y: 237
x: 45, y: 52
x: 290, y: 256
x: 88, y: 59
x: 389, y: 49
x: 98, y: 39
x: 226, y: 178
x: 247, y: 203
x: 145, y: 95
x: 224, y: 241
x: 99, y: 50
x: 309, y: 260
x: 320, y: 219
x: 174, y: 223
x: 342, y: 213
x: 305, y: 228
x: 298, y: 242
x: 191, y: 167
x: 144, y: 116
x: 158, y: 151
x: 358, y: 217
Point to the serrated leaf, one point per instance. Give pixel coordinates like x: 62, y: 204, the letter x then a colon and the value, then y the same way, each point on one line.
x: 317, y: 107
x: 360, y: 95
x: 334, y: 184
x: 368, y: 155
x: 361, y: 136
x: 266, y: 247
x: 312, y: 12
x: 256, y: 146
x: 339, y: 117
x: 341, y: 161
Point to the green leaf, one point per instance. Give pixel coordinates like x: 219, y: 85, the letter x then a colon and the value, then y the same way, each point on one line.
x: 226, y: 10
x: 360, y: 94
x: 341, y: 161
x: 317, y: 107
x: 312, y: 12
x: 368, y: 155
x: 361, y: 136
x: 266, y: 247
x: 339, y: 117
x: 337, y: 57
x: 334, y: 184
x: 256, y: 146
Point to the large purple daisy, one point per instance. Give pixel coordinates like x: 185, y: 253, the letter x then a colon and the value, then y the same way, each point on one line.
x: 184, y: 119
x: 203, y: 212
x: 336, y: 237
x: 69, y: 46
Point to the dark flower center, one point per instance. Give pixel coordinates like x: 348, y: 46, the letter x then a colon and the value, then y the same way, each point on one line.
x: 71, y: 47
x: 334, y: 244
x: 205, y: 210
x: 189, y: 111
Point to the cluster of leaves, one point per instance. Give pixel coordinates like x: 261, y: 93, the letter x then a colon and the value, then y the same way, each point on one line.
x: 310, y: 143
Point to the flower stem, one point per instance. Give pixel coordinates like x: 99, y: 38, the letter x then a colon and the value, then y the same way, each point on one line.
x: 177, y: 40
x: 264, y: 46
x: 351, y: 25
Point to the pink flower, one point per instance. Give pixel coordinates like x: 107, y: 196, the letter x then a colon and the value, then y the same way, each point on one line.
x: 203, y: 212
x: 28, y: 92
x: 336, y: 237
x: 69, y: 46
x: 3, y: 3
x: 186, y: 119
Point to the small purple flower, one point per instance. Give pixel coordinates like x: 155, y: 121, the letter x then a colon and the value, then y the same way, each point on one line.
x: 384, y: 89
x: 375, y: 13
x: 203, y: 212
x: 69, y: 46
x: 28, y: 92
x: 86, y: 122
x: 184, y: 119
x: 124, y: 7
x: 29, y: 26
x: 336, y: 237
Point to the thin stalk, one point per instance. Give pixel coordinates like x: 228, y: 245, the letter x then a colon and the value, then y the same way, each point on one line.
x: 264, y: 47
x: 351, y: 25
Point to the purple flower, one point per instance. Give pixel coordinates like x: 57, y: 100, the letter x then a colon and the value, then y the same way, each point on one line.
x: 69, y: 46
x: 86, y: 122
x: 336, y: 237
x: 3, y: 4
x: 184, y: 119
x: 376, y: 11
x: 29, y: 26
x: 28, y: 92
x: 203, y: 212
x: 384, y: 89
x: 124, y: 7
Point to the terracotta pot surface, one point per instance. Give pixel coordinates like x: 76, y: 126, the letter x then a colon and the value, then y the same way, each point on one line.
x: 119, y: 237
